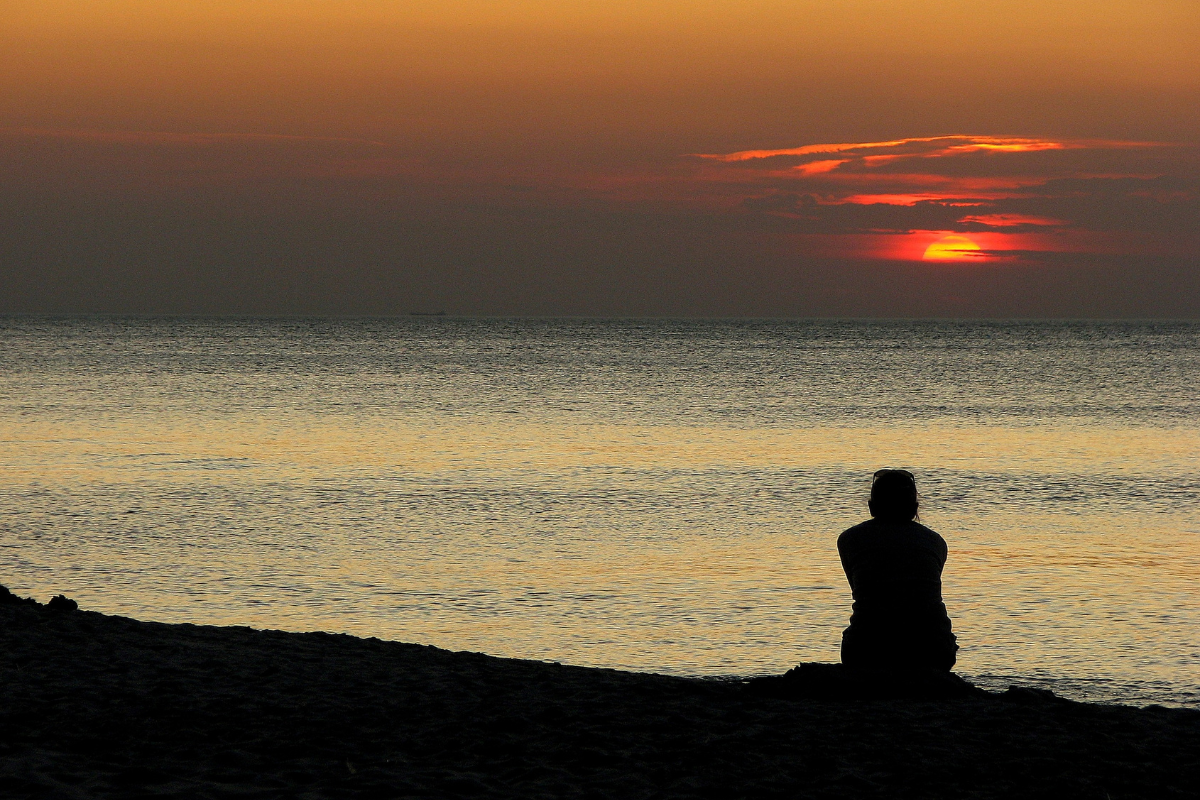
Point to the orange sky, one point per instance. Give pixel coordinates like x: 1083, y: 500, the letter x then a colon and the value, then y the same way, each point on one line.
x: 862, y: 129
x: 689, y: 70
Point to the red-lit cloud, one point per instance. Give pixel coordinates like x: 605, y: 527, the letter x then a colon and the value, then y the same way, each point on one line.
x: 923, y: 147
x: 1008, y: 199
x: 988, y: 198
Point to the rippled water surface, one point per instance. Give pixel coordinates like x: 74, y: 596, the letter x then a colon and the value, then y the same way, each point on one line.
x: 653, y: 495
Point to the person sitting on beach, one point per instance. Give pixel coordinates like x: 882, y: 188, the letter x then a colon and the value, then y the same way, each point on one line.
x: 894, y: 565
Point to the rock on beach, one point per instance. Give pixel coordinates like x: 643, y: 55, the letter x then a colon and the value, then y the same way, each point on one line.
x: 96, y: 706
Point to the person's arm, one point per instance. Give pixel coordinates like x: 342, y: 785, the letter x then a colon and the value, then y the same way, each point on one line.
x: 843, y: 553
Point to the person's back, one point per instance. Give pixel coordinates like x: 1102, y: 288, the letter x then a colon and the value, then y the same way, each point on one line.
x: 894, y: 566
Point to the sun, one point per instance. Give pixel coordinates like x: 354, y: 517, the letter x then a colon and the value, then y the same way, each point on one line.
x: 951, y: 248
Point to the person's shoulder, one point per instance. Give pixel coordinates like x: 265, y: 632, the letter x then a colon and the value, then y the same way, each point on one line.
x: 861, y: 528
x: 929, y: 534
x: 856, y: 533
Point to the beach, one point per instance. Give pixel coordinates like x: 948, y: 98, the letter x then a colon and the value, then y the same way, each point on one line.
x: 106, y: 706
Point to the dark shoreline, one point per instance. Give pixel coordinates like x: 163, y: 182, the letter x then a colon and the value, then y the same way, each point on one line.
x: 101, y: 706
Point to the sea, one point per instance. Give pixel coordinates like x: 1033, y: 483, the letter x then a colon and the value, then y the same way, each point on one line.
x: 657, y: 495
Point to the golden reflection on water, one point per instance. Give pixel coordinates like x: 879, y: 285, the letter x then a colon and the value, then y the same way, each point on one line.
x: 672, y: 548
x: 438, y: 447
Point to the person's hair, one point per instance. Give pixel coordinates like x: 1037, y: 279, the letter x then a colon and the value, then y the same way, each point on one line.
x: 894, y: 496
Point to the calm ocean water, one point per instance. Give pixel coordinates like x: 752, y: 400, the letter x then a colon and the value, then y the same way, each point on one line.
x: 650, y: 495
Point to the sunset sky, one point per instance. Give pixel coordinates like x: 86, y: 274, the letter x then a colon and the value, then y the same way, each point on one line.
x: 761, y: 158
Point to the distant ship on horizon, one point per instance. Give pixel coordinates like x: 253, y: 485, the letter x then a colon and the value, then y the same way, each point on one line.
x: 427, y: 313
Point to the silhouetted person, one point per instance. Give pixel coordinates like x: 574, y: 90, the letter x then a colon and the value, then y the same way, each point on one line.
x: 894, y: 566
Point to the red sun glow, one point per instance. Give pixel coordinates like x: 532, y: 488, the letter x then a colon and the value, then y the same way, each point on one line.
x: 951, y: 248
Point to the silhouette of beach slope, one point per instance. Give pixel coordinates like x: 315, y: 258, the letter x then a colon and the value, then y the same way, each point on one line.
x: 104, y: 706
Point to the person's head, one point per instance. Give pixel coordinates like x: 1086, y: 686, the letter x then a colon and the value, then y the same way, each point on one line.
x: 893, y: 496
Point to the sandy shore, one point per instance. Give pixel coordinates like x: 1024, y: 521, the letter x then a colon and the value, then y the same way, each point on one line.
x: 100, y: 706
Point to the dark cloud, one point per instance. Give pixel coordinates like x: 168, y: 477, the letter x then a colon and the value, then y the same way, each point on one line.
x: 337, y: 227
x: 780, y: 201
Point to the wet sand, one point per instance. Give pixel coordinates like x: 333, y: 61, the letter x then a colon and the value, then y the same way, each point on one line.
x: 102, y: 706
